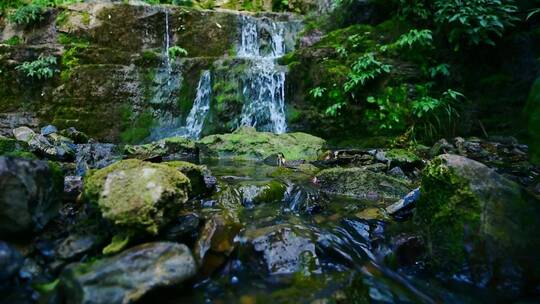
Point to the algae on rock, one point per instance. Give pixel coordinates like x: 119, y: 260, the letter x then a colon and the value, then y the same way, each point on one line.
x: 362, y: 183
x: 248, y: 144
x: 474, y: 217
x: 138, y: 195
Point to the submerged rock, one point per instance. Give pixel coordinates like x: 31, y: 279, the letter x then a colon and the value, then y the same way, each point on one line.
x: 247, y: 143
x: 216, y: 242
x: 471, y: 215
x: 283, y: 249
x: 262, y: 192
x: 30, y: 195
x: 361, y: 183
x: 127, y: 277
x: 138, y: 195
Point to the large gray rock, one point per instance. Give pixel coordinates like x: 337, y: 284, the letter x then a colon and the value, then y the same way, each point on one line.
x: 362, y: 183
x: 128, y: 276
x: 30, y: 195
x: 471, y: 215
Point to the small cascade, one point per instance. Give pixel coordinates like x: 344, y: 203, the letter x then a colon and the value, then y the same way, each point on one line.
x: 264, y: 81
x: 201, y: 106
x: 261, y: 83
x: 167, y: 84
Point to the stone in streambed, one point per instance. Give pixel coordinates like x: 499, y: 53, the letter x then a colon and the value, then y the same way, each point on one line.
x: 168, y: 149
x: 246, y: 143
x: 471, y: 215
x: 361, y: 183
x: 30, y: 195
x: 201, y: 180
x: 138, y: 195
x: 128, y: 276
x: 53, y: 146
x: 282, y: 249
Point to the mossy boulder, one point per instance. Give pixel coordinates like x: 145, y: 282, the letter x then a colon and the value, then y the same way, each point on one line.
x: 173, y: 148
x: 362, y: 183
x: 200, y: 179
x: 532, y: 112
x: 137, y: 195
x: 471, y: 216
x: 403, y: 158
x: 262, y: 192
x: 248, y: 144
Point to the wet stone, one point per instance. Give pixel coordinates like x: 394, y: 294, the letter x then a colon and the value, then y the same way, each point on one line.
x: 11, y: 262
x: 283, y: 250
x: 128, y: 276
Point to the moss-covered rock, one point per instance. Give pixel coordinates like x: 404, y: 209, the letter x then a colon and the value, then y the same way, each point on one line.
x: 137, y: 195
x: 248, y: 144
x: 168, y: 149
x: 15, y: 148
x: 532, y: 112
x: 199, y: 177
x: 403, y: 158
x: 362, y: 183
x: 263, y: 192
x: 472, y: 216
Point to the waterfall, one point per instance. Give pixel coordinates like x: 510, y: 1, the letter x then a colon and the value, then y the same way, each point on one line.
x: 167, y: 84
x: 261, y: 84
x: 201, y: 106
x: 167, y: 42
x: 264, y: 82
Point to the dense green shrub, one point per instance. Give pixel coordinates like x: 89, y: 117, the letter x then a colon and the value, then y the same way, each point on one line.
x: 42, y: 68
x: 27, y: 15
x: 474, y: 21
x: 176, y: 52
x: 463, y: 22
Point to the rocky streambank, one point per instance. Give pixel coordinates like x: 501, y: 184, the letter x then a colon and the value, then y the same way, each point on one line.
x: 251, y: 216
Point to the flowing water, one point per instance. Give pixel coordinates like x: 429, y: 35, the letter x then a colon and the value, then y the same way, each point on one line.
x: 264, y: 82
x: 346, y: 253
x: 201, y: 106
x: 262, y: 40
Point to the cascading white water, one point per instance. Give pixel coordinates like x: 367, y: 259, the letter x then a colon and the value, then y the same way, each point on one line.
x: 262, y: 41
x: 264, y: 82
x: 201, y: 106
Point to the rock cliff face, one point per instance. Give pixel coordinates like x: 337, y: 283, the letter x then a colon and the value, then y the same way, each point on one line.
x: 114, y: 73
